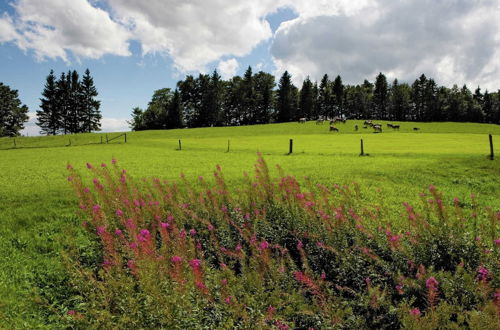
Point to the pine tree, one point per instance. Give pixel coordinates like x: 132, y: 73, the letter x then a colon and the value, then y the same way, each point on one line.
x: 48, y: 118
x: 63, y: 104
x: 324, y: 97
x: 137, y: 122
x: 264, y: 85
x: 90, y: 115
x: 248, y: 100
x: 74, y: 102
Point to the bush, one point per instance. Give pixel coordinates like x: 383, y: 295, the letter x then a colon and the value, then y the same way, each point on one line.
x: 273, y: 254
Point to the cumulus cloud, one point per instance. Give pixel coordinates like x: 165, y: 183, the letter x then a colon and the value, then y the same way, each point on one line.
x: 454, y: 41
x: 197, y: 32
x: 228, y: 68
x: 52, y: 28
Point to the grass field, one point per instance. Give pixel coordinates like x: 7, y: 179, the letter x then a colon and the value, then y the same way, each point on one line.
x: 37, y: 205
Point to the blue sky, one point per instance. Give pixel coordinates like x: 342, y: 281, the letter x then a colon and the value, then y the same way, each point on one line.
x: 133, y: 48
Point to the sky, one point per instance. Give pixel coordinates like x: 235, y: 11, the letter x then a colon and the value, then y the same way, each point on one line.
x: 135, y: 47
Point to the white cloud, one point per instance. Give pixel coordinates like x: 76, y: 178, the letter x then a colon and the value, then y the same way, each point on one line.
x: 453, y: 41
x: 51, y: 28
x: 197, y: 32
x: 228, y: 68
x: 114, y: 125
x: 7, y: 30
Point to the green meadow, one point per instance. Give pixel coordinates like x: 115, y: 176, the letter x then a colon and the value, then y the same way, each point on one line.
x: 38, y: 206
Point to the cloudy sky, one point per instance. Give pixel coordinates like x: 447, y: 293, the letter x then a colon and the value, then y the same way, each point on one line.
x: 134, y: 47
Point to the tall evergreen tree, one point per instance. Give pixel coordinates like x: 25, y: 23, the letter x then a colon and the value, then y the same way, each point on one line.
x: 399, y: 101
x: 89, y: 112
x: 63, y: 102
x: 137, y: 122
x: 13, y: 113
x: 380, y: 96
x: 74, y: 102
x: 306, y: 103
x: 213, y: 100
x: 174, y: 114
x: 325, y: 97
x: 264, y: 85
x: 338, y: 96
x: 248, y: 98
x: 285, y: 103
x: 48, y: 118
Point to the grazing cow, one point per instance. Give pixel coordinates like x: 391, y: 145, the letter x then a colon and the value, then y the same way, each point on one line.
x: 390, y: 125
x: 355, y: 127
x: 395, y: 127
x: 377, y: 128
x: 416, y: 129
x: 302, y: 120
x: 365, y: 126
x: 368, y: 123
x: 333, y: 128
x: 319, y: 121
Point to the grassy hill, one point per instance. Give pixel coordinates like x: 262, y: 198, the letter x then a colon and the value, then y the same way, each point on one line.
x: 37, y: 205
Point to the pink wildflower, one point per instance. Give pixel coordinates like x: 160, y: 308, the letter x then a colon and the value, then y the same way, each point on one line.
x: 176, y: 259
x: 431, y: 283
x: 415, y: 312
x: 483, y: 273
x: 103, y: 165
x: 182, y: 234
x: 133, y: 245
x: 300, y: 245
x: 195, y: 263
x: 192, y: 232
x: 170, y: 218
x: 210, y: 227
x: 264, y: 245
x: 96, y: 208
x: 86, y: 190
x: 323, y: 275
x: 119, y: 213
x: 165, y: 225
x: 71, y: 312
x: 113, y: 161
x: 228, y: 300
x: 69, y: 166
x: 497, y: 241
x: 224, y: 282
x: 300, y: 196
x: 238, y: 248
x: 432, y: 188
x: 89, y: 166
x: 118, y: 232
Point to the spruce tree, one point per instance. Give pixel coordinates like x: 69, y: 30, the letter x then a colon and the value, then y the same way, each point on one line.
x: 90, y: 113
x: 324, y: 97
x: 48, y: 118
x: 306, y: 103
x: 338, y: 96
x: 286, y: 102
x: 380, y: 97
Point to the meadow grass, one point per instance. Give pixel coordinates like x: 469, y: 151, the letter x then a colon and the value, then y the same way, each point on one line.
x: 37, y: 205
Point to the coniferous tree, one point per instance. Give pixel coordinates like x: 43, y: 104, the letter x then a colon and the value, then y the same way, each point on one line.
x: 306, y: 103
x: 213, y: 100
x: 399, y: 101
x: 264, y: 85
x: 63, y: 103
x: 174, y: 114
x: 74, y: 102
x: 248, y: 98
x: 13, y: 113
x: 49, y: 117
x: 89, y: 111
x: 338, y: 96
x: 380, y: 97
x: 285, y: 102
x: 325, y: 97
x: 137, y: 122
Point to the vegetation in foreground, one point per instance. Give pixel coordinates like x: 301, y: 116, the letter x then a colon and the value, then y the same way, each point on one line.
x: 275, y: 254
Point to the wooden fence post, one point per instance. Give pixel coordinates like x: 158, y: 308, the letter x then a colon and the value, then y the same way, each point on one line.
x: 125, y: 137
x: 228, y: 144
x: 291, y: 146
x: 362, y: 150
x: 492, y: 154
x: 15, y: 145
x: 107, y: 139
x: 180, y: 145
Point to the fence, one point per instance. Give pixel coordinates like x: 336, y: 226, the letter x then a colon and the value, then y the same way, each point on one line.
x: 60, y: 141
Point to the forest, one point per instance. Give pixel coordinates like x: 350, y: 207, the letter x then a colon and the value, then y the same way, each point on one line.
x: 255, y: 98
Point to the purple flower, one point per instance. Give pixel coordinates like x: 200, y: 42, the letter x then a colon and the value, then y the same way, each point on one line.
x: 119, y: 213
x: 89, y: 166
x: 192, y: 232
x: 264, y: 245
x: 228, y: 300
x: 96, y: 208
x: 176, y: 259
x: 113, y: 161
x: 210, y: 227
x: 118, y: 232
x: 300, y: 245
x: 71, y: 312
x: 165, y: 225
x: 483, y: 273
x: 103, y: 165
x: 497, y: 241
x: 431, y: 283
x: 195, y: 263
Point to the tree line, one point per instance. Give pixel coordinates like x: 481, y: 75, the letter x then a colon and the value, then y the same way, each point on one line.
x: 69, y: 104
x: 208, y: 100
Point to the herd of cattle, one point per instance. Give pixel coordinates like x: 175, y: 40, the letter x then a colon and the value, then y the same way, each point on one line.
x: 377, y: 128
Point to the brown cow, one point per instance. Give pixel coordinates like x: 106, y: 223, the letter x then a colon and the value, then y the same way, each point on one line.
x: 333, y: 128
